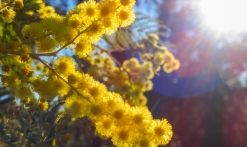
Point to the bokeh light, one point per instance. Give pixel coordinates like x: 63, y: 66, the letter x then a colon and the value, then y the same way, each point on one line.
x: 224, y: 15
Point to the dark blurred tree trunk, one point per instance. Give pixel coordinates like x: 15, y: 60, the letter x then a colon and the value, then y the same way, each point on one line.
x: 215, y: 107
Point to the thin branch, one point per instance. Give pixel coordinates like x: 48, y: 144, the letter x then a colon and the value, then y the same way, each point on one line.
x: 51, y: 69
x: 110, y: 50
x: 25, y: 134
x: 69, y: 42
x: 23, y: 80
x: 109, y: 53
x: 6, y: 5
x: 33, y: 39
x: 53, y: 124
x: 61, y: 48
x: 50, y: 139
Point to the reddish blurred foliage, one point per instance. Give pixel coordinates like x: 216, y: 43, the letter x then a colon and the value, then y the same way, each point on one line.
x: 188, y: 118
x: 235, y: 119
x: 195, y: 53
x: 196, y: 121
x: 233, y: 61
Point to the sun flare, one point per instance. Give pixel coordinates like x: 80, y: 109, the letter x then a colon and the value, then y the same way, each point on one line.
x: 225, y: 15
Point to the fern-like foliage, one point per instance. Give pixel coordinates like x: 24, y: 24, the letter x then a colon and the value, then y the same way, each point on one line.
x: 129, y: 37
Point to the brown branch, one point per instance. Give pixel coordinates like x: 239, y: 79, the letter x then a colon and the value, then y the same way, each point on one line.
x: 51, y: 69
x: 8, y: 4
x: 33, y: 39
x: 60, y: 49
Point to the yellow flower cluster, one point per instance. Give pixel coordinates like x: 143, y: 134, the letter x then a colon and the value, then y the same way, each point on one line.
x: 117, y: 77
x: 140, y: 78
x: 9, y: 8
x: 78, y: 92
x: 103, y: 61
x: 171, y: 63
x: 98, y: 19
x: 6, y: 9
x: 158, y: 55
x: 8, y: 14
x: 134, y: 76
x: 46, y: 11
x: 167, y: 60
x: 140, y: 73
x: 126, y: 125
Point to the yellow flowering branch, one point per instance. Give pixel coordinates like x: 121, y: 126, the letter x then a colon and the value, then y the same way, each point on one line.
x: 8, y: 4
x: 33, y: 39
x: 64, y: 46
x: 81, y: 94
x: 51, y: 69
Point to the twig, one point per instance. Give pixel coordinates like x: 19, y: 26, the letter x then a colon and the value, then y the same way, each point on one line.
x: 32, y: 39
x: 6, y: 5
x: 53, y: 124
x: 25, y: 134
x: 51, y: 69
x: 62, y: 132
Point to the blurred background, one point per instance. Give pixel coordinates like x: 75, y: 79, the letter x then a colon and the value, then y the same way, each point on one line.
x: 206, y: 99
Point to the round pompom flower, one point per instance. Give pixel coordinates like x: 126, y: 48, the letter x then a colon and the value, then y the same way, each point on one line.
x: 131, y: 64
x: 107, y: 8
x: 8, y: 15
x: 75, y: 21
x: 161, y: 131
x: 59, y: 86
x: 105, y: 126
x: 140, y: 116
x: 83, y: 49
x: 110, y: 25
x: 96, y: 111
x: 125, y: 17
x: 64, y: 65
x: 46, y: 45
x: 18, y: 4
x: 75, y: 106
x: 129, y: 3
x: 124, y: 136
x: 74, y: 77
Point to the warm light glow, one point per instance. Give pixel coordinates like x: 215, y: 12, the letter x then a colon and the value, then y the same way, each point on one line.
x: 225, y: 15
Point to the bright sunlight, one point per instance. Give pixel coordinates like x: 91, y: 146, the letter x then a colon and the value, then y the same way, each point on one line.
x: 225, y: 15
